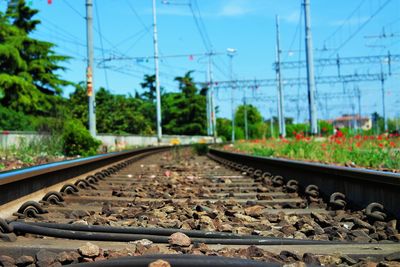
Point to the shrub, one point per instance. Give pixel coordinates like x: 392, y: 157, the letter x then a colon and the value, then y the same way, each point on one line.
x: 12, y: 120
x: 77, y: 140
x: 200, y: 149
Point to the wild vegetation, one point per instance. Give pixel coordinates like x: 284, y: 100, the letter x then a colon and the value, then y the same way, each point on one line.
x: 378, y: 152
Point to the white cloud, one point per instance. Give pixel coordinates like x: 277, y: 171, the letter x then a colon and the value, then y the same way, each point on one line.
x: 292, y: 17
x: 235, y: 8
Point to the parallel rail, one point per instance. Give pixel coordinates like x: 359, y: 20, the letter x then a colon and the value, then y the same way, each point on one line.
x: 18, y: 183
x: 360, y: 186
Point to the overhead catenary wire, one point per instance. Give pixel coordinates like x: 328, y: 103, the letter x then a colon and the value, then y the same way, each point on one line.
x: 361, y: 27
x: 101, y: 44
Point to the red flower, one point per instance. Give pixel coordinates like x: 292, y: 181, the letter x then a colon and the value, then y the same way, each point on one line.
x: 392, y: 144
x: 381, y: 145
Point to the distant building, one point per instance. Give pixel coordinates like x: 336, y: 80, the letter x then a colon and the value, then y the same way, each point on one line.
x: 352, y: 121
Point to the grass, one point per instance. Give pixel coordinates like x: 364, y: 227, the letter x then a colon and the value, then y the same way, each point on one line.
x: 378, y: 152
x: 27, y: 153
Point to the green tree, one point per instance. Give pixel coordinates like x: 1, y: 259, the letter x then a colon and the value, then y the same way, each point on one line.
x: 148, y: 108
x: 114, y: 113
x: 184, y: 112
x: 28, y: 66
x: 255, y: 125
x: 149, y: 84
x: 224, y: 129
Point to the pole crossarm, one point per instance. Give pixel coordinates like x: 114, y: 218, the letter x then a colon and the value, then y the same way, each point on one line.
x: 324, y: 62
x: 288, y: 97
x: 298, y: 81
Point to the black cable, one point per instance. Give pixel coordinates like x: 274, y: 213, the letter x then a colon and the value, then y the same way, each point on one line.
x: 178, y: 261
x: 142, y: 230
x: 20, y: 227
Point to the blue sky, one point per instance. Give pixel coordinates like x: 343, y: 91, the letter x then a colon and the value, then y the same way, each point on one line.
x: 247, y: 25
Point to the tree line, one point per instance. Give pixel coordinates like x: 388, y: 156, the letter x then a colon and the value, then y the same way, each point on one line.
x: 31, y: 89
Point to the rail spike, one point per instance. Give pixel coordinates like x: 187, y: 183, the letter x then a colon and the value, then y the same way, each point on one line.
x: 312, y: 190
x: 83, y: 184
x: 99, y: 175
x: 257, y: 173
x: 5, y: 227
x: 292, y: 186
x: 92, y: 179
x: 69, y: 189
x: 53, y: 197
x: 277, y: 180
x: 337, y: 201
x: 374, y: 211
x: 30, y: 209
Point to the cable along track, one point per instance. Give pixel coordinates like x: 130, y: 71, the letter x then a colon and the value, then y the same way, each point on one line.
x: 182, y: 204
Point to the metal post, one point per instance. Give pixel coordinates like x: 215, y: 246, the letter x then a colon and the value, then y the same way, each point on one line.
x: 383, y: 102
x: 89, y: 70
x: 271, y: 123
x: 246, y: 130
x: 353, y: 110
x: 281, y: 116
x: 232, y: 102
x: 359, y: 108
x: 310, y: 69
x: 158, y: 94
x: 208, y: 109
x: 213, y: 116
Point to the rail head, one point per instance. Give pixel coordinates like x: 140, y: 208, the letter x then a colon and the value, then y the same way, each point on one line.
x: 29, y: 172
x: 361, y: 187
x: 380, y: 177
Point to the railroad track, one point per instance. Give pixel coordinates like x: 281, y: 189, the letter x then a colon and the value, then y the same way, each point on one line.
x: 174, y: 208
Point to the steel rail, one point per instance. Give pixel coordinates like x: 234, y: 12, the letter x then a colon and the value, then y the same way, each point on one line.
x: 18, y: 183
x: 360, y: 186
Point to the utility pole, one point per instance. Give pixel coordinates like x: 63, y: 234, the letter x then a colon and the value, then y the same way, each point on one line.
x: 358, y: 93
x: 208, y: 112
x: 89, y: 70
x: 208, y: 104
x: 385, y: 122
x: 158, y: 94
x: 281, y: 116
x: 231, y: 53
x: 271, y: 122
x: 213, y: 116
x: 246, y: 129
x: 310, y: 69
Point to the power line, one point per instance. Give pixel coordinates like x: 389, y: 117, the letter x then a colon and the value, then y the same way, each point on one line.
x: 345, y: 21
x: 303, y: 81
x: 203, y: 34
x: 362, y: 26
x: 101, y: 44
x: 322, y: 62
x: 74, y: 9
x: 138, y: 17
